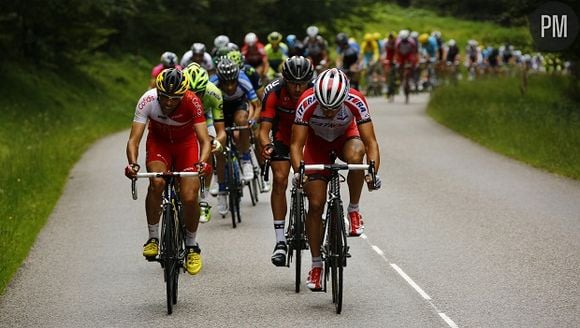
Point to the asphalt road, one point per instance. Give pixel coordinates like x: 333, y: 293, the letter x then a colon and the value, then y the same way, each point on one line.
x: 457, y: 237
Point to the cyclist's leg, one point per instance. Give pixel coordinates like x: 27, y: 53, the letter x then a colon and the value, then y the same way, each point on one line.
x: 156, y: 161
x: 186, y: 154
x: 280, y: 171
x: 315, y: 190
x: 243, y: 142
x: 353, y: 152
x: 241, y: 119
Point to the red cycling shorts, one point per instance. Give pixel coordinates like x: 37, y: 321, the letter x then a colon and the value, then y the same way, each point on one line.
x: 180, y: 155
x: 317, y: 150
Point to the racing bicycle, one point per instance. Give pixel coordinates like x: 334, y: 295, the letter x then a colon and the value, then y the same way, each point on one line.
x: 172, y: 245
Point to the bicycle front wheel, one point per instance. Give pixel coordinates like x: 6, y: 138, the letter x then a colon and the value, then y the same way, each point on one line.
x: 169, y: 256
x: 337, y: 254
x: 299, y: 234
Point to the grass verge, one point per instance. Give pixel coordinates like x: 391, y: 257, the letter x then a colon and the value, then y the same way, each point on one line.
x: 541, y: 128
x: 47, y: 121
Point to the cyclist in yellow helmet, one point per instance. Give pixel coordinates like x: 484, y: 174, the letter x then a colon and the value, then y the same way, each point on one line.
x: 177, y: 140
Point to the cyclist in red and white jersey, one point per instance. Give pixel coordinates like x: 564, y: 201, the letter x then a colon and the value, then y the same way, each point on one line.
x: 405, y: 49
x: 331, y: 117
x: 177, y: 140
x: 276, y: 117
x: 255, y: 54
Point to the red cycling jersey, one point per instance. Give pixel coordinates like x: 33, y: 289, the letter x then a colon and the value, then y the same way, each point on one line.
x: 176, y: 127
x: 405, y: 52
x: 254, y: 55
x: 171, y: 139
x: 279, y: 109
x: 330, y: 134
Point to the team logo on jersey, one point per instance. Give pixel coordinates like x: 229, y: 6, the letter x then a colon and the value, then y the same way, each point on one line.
x: 145, y: 101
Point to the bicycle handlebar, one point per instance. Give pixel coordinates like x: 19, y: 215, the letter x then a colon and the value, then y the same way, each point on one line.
x: 338, y: 167
x: 165, y: 175
x: 237, y: 128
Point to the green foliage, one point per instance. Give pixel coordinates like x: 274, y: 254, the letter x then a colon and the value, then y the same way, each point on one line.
x: 47, y: 120
x: 541, y: 128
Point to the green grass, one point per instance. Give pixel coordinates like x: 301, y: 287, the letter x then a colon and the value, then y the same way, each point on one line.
x: 389, y: 17
x: 541, y: 128
x: 47, y: 120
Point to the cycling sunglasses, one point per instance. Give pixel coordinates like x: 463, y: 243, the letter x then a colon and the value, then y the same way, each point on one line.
x: 166, y: 96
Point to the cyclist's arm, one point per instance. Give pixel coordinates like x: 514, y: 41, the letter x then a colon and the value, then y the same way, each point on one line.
x: 137, y: 130
x: 257, y: 108
x: 367, y: 135
x: 204, y: 141
x: 220, y: 131
x: 299, y: 134
x: 264, y: 136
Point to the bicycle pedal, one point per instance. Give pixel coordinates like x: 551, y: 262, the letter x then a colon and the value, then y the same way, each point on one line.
x: 151, y: 258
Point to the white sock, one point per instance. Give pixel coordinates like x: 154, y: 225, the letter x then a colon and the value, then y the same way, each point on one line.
x: 317, y: 262
x: 352, y: 208
x: 153, y: 230
x: 279, y: 229
x: 190, y: 238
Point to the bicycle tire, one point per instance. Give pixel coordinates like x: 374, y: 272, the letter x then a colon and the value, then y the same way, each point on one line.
x: 299, y: 233
x: 232, y: 187
x: 169, y: 256
x: 337, y: 253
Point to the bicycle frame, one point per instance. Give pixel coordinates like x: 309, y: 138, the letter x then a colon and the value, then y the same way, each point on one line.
x: 233, y: 180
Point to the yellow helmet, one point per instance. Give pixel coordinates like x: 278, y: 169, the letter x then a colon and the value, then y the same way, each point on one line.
x: 275, y: 37
x: 172, y: 82
x: 423, y: 38
x: 368, y: 37
x: 376, y: 35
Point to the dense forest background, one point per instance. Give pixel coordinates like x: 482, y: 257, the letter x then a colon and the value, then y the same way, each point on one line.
x: 64, y: 32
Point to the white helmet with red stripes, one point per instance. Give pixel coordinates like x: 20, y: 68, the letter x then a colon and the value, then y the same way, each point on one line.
x: 331, y: 89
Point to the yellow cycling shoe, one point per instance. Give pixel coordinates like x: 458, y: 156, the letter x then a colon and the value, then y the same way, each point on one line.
x: 151, y: 247
x: 193, y: 262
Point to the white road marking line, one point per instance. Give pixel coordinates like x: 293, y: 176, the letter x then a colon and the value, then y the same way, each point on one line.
x: 449, y: 321
x: 411, y: 282
x: 378, y: 250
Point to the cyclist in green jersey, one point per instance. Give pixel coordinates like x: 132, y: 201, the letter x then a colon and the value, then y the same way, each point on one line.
x: 277, y: 53
x: 211, y: 97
